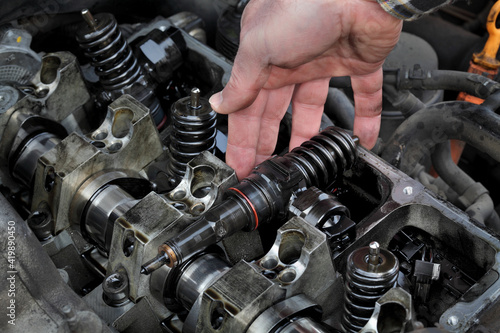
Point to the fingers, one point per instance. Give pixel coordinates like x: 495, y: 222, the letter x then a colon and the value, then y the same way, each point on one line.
x: 243, y: 136
x: 316, y: 69
x: 277, y: 104
x: 250, y: 72
x: 368, y: 106
x: 307, y: 107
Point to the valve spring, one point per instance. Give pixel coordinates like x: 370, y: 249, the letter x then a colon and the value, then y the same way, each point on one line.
x: 109, y: 53
x: 114, y: 63
x: 366, y: 283
x: 193, y: 131
x: 326, y: 155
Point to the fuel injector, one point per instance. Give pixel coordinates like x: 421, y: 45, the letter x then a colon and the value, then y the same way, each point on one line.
x: 263, y: 195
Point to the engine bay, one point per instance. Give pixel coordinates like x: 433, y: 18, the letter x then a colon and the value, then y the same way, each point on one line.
x: 119, y: 213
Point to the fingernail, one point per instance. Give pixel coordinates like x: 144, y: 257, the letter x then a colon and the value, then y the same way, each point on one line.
x: 216, y: 100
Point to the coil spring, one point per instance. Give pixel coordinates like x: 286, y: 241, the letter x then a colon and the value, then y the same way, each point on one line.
x: 193, y: 131
x: 114, y: 63
x: 365, y: 284
x: 325, y: 156
x: 110, y: 54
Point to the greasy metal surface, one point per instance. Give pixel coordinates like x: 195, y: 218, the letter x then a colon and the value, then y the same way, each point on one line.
x: 240, y: 294
x: 38, y: 291
x: 76, y: 158
x: 420, y: 208
x: 204, y: 183
x: 285, y: 311
x: 147, y: 222
x: 301, y: 262
x: 399, y: 319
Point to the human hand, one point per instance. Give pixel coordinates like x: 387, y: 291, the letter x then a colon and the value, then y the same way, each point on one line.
x: 289, y: 50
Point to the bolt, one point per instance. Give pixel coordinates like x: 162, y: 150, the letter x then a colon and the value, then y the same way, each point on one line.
x: 452, y: 321
x: 70, y: 316
x: 115, y: 289
x: 37, y: 218
x: 115, y: 281
x: 195, y: 98
x: 408, y: 190
x: 87, y: 16
x: 40, y: 222
x: 68, y: 311
x: 221, y: 231
x: 65, y: 276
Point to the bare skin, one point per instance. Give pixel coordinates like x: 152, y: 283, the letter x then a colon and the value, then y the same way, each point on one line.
x: 288, y: 51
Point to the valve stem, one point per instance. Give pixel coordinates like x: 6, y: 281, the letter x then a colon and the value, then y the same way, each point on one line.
x: 89, y: 19
x: 195, y: 98
x: 374, y: 253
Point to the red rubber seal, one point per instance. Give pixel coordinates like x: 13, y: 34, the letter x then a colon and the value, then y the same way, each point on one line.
x: 251, y: 206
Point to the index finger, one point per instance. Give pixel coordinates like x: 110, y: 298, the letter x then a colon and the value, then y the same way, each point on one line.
x: 243, y: 137
x: 367, y: 106
x: 248, y: 76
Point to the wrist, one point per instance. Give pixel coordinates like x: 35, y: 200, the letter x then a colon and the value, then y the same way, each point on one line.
x: 411, y: 9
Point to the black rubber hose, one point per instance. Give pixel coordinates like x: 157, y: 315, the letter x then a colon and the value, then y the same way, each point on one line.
x: 416, y: 78
x: 448, y: 170
x: 481, y: 207
x: 494, y: 221
x: 403, y: 100
x: 474, y: 124
x: 340, y: 82
x: 492, y: 102
x: 421, y: 79
x: 339, y: 108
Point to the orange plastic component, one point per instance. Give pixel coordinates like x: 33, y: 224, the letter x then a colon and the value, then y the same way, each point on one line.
x: 487, y: 58
x: 477, y: 69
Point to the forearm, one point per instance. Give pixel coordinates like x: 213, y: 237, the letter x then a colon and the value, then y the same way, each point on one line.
x: 411, y: 9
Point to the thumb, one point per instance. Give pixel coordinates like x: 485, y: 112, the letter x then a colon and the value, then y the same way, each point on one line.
x: 248, y: 76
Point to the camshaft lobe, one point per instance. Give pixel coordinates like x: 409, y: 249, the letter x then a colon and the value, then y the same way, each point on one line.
x: 264, y: 194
